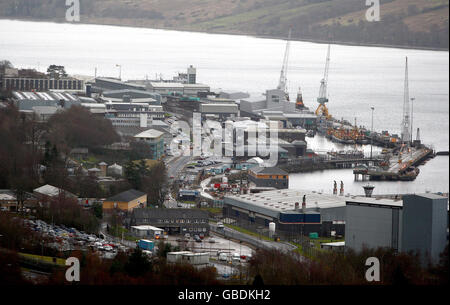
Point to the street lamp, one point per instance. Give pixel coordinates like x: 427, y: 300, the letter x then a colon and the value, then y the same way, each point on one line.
x: 412, y: 112
x: 371, y: 134
x: 120, y: 71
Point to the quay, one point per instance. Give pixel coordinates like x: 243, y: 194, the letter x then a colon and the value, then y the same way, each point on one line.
x: 400, y: 166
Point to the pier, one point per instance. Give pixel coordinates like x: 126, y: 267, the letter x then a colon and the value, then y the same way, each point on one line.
x: 401, y: 166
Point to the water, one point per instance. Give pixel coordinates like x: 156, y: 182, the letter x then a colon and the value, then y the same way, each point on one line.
x: 359, y: 77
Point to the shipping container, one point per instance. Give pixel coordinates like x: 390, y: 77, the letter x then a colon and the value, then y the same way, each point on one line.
x: 145, y: 244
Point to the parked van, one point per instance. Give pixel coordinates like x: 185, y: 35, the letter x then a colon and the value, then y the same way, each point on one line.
x: 223, y: 256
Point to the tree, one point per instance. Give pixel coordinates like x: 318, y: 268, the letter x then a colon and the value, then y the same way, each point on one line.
x: 138, y: 264
x: 77, y: 127
x: 55, y: 71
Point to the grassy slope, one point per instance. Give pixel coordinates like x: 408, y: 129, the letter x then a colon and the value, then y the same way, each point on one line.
x: 420, y: 22
x: 258, y: 17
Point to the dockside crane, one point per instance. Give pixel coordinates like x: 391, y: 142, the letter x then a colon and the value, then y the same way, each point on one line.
x: 323, y: 98
x: 282, y: 84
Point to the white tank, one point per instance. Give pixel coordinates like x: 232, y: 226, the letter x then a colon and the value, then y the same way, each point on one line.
x: 271, y: 228
x: 225, y: 180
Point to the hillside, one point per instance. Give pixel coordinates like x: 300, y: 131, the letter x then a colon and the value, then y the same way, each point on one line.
x: 413, y: 23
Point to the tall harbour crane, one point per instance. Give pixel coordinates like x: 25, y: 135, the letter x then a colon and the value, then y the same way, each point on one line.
x: 282, y: 84
x: 323, y: 98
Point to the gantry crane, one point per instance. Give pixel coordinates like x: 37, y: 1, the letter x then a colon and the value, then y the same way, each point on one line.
x: 282, y: 84
x: 323, y: 98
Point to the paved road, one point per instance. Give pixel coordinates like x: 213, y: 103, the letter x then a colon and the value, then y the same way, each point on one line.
x: 176, y: 165
x: 261, y: 243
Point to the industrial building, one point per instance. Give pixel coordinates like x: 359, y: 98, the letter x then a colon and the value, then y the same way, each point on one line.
x: 126, y: 201
x: 269, y: 177
x: 307, y: 120
x: 173, y: 221
x: 107, y: 83
x: 27, y: 100
x: 273, y: 100
x: 41, y: 84
x: 167, y: 88
x: 196, y: 259
x: 132, y: 96
x: 220, y: 111
x: 417, y: 223
x: 321, y: 213
x: 146, y: 231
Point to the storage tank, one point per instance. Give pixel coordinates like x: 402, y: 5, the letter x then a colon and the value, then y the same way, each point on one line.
x: 271, y: 229
x: 225, y: 180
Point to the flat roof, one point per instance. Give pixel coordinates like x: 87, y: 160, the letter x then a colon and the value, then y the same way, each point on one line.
x: 146, y: 227
x: 277, y: 201
x: 166, y: 85
x: 151, y: 133
x: 374, y: 201
x: 335, y: 244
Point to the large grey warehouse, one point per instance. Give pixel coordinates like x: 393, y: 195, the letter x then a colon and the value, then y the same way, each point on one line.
x: 321, y: 213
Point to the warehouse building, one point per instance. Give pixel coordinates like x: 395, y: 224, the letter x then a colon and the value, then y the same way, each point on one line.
x: 269, y: 177
x: 417, y: 223
x: 182, y: 257
x: 175, y: 87
x: 294, y: 212
x: 41, y: 84
x: 126, y: 201
x: 108, y: 83
x: 133, y: 96
x: 220, y: 111
x: 173, y: 221
x: 147, y: 231
x: 273, y: 100
x: 27, y: 100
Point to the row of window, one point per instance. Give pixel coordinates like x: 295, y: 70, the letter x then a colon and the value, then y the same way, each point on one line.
x: 197, y: 230
x: 43, y: 84
x: 181, y: 221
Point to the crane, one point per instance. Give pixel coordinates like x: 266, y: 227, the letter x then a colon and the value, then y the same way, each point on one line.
x: 282, y: 84
x: 323, y: 98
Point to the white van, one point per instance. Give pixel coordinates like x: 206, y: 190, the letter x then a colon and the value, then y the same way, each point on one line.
x: 223, y: 256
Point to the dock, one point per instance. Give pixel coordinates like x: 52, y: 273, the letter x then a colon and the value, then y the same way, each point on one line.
x: 401, y: 166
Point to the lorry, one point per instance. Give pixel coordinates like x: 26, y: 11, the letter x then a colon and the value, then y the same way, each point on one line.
x: 145, y: 244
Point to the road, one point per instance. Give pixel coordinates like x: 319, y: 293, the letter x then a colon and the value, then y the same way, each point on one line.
x: 176, y: 165
x: 256, y: 242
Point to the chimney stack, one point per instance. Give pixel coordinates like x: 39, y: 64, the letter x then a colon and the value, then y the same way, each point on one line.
x: 304, y: 204
x: 341, y: 191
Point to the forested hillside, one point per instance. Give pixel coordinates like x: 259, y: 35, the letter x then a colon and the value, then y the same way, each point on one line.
x: 414, y: 23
